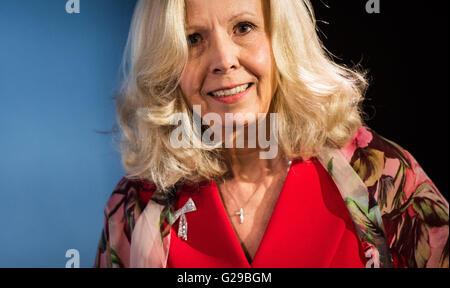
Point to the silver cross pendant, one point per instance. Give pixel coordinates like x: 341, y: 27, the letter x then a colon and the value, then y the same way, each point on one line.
x: 241, y: 214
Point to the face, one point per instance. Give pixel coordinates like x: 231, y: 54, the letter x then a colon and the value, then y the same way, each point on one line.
x: 230, y: 67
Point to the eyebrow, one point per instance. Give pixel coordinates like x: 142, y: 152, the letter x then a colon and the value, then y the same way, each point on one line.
x: 232, y: 18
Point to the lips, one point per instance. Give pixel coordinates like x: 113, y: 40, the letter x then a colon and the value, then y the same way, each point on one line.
x: 231, y: 94
x: 228, y: 87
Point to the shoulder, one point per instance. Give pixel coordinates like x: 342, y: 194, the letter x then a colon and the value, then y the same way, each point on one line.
x: 122, y: 210
x: 386, y: 168
x: 373, y: 156
x: 367, y: 140
x: 127, y: 201
x: 413, y: 211
x: 379, y: 162
x: 129, y: 192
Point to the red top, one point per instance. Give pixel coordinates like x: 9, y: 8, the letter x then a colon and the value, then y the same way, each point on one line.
x: 309, y: 227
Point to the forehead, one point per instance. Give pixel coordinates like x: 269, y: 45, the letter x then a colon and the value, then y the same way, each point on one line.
x: 201, y: 12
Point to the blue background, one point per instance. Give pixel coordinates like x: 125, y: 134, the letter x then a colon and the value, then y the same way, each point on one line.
x: 59, y: 73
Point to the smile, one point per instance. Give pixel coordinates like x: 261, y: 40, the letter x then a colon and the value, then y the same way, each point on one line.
x: 231, y: 95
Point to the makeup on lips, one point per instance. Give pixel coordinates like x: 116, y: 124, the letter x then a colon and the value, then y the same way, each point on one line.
x: 231, y: 94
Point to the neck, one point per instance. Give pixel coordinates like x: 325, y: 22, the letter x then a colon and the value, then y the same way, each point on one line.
x: 252, y: 180
x: 245, y: 164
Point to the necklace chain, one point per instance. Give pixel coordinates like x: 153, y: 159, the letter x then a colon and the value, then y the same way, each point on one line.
x: 241, y: 212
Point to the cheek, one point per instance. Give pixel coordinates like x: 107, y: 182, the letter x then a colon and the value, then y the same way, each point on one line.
x: 263, y: 65
x: 264, y: 60
x: 259, y: 60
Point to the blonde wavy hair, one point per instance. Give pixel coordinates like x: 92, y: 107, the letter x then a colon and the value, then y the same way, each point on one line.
x: 317, y: 100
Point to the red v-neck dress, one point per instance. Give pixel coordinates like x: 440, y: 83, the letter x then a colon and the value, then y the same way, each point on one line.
x: 310, y: 227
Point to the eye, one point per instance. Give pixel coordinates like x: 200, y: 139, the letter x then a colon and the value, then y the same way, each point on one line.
x: 244, y: 27
x: 194, y: 39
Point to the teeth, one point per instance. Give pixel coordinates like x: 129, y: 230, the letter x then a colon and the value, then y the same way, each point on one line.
x: 229, y: 92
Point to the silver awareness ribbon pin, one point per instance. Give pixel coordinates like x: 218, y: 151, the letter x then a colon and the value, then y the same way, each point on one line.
x: 180, y: 213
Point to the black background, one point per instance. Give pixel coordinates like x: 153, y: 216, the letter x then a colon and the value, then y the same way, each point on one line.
x: 404, y: 48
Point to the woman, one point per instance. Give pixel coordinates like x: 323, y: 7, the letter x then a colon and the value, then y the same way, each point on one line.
x: 200, y: 203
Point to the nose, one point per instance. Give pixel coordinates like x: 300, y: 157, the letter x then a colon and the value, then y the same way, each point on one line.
x: 224, y: 54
